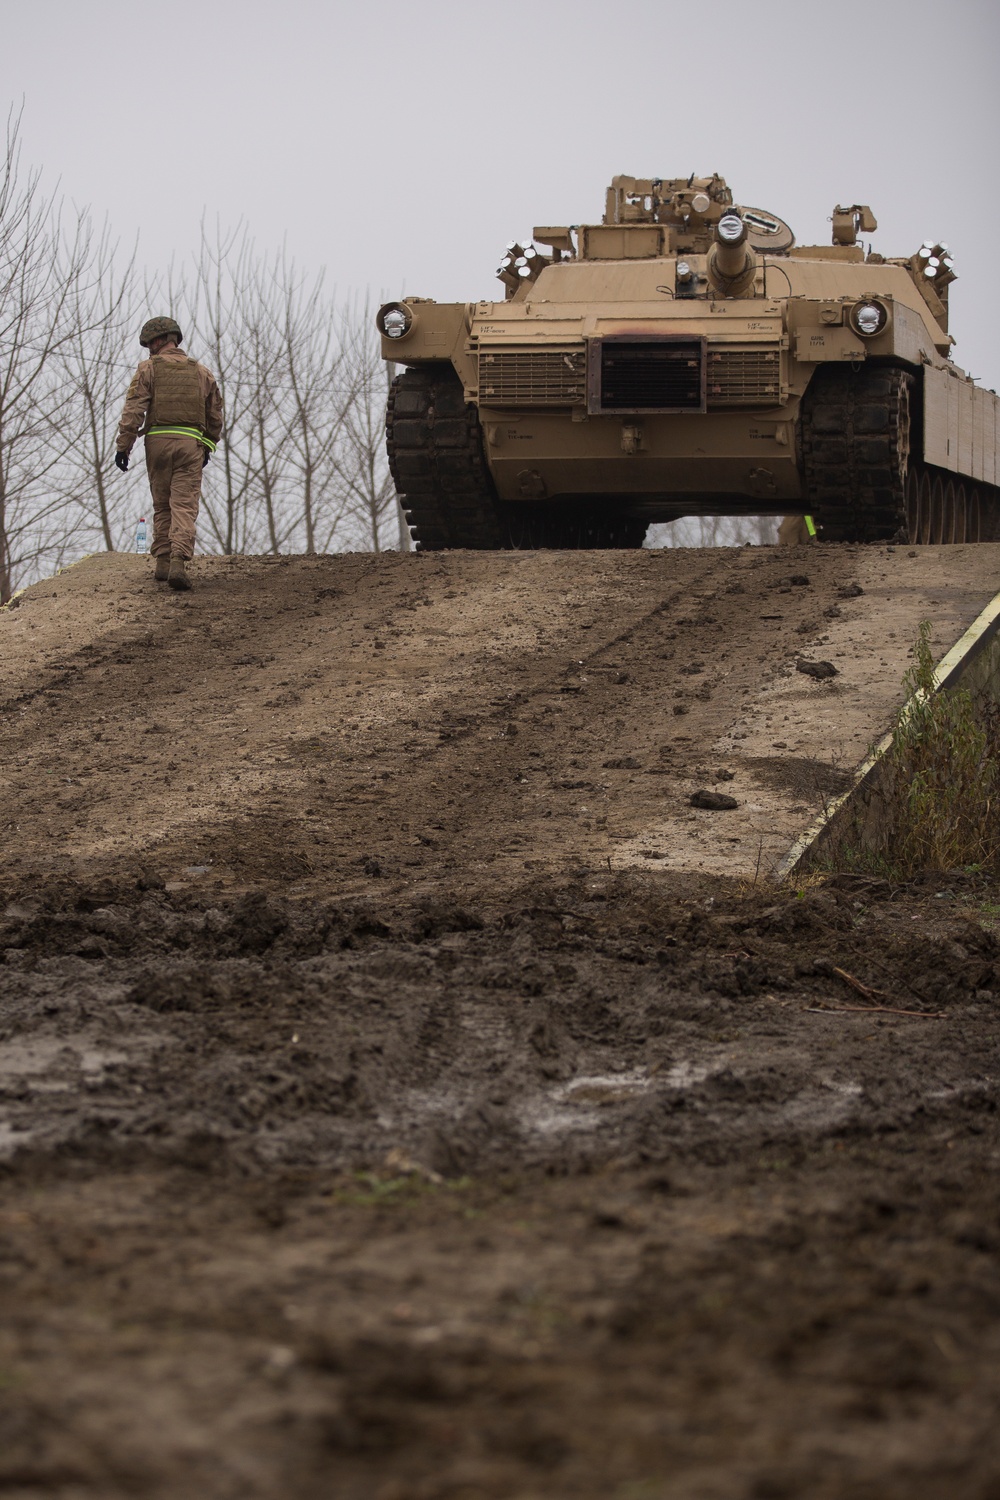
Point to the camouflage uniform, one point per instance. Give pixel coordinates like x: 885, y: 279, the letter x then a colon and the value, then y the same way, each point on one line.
x: 174, y: 458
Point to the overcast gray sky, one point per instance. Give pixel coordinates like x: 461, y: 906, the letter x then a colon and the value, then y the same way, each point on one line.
x: 400, y: 145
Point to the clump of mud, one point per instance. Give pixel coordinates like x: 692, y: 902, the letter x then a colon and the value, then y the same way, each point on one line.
x: 572, y: 1022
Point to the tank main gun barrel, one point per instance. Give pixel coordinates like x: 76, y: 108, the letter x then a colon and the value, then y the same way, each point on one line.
x: 732, y: 264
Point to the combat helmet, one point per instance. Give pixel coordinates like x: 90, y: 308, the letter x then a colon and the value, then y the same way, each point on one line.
x: 156, y: 328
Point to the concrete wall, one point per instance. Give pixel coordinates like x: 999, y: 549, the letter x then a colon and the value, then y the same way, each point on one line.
x: 858, y: 819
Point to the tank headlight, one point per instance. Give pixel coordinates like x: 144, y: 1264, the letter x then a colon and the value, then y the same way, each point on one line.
x: 730, y: 228
x: 869, y: 318
x: 394, y: 320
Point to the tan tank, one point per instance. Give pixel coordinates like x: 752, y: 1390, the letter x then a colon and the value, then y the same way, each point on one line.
x: 685, y: 357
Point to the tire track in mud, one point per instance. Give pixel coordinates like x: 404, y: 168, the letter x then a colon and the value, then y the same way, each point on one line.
x: 333, y: 722
x: 467, y: 737
x: 465, y: 1178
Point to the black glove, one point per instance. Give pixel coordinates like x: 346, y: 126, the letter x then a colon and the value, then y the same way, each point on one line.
x: 121, y: 461
x: 205, y: 457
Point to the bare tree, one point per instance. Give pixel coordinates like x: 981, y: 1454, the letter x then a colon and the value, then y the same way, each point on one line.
x: 301, y: 465
x: 317, y: 402
x: 713, y: 531
x: 43, y: 262
x: 272, y: 338
x: 211, y: 304
x: 265, y: 419
x: 362, y: 466
x: 96, y: 361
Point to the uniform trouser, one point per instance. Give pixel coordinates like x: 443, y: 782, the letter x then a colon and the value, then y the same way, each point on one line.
x: 793, y: 532
x: 174, y: 466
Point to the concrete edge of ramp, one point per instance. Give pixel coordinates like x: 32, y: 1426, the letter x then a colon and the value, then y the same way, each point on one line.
x: 973, y: 662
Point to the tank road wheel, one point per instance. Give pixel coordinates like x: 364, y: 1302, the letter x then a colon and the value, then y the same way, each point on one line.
x: 937, y: 511
x: 949, y: 531
x: 855, y: 432
x: 948, y: 512
x: 926, y: 509
x: 602, y: 527
x: 956, y: 511
x: 961, y: 513
x: 437, y: 464
x: 973, y: 521
x: 571, y: 527
x: 942, y: 508
x: 989, y: 513
x: 619, y: 533
x: 912, y: 505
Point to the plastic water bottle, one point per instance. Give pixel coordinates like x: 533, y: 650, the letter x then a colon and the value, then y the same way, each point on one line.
x: 141, y: 536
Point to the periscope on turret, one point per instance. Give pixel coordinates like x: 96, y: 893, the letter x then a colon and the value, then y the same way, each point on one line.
x: 686, y: 357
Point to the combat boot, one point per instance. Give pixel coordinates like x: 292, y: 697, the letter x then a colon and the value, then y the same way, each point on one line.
x: 177, y: 577
x: 162, y: 570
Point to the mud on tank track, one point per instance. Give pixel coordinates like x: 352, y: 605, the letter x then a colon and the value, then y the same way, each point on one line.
x: 366, y: 1134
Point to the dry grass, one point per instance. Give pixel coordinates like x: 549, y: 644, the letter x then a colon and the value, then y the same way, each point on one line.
x: 940, y: 781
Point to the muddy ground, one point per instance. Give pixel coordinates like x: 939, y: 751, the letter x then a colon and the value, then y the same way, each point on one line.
x: 381, y: 1118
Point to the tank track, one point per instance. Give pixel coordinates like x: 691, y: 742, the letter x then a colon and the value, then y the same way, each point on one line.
x: 855, y: 443
x: 438, y: 466
x: 437, y: 463
x: 864, y: 483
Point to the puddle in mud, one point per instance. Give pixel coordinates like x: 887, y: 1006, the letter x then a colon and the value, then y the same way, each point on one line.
x: 684, y: 1075
x: 24, y: 1059
x: 11, y: 1139
x: 603, y: 1088
x: 577, y: 1104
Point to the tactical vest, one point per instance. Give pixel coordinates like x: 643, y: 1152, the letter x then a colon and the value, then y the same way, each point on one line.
x: 178, y: 400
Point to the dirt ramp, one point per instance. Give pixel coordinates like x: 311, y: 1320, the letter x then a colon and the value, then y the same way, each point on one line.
x: 322, y: 724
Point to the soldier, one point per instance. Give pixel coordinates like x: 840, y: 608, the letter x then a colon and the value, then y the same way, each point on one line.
x: 175, y: 405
